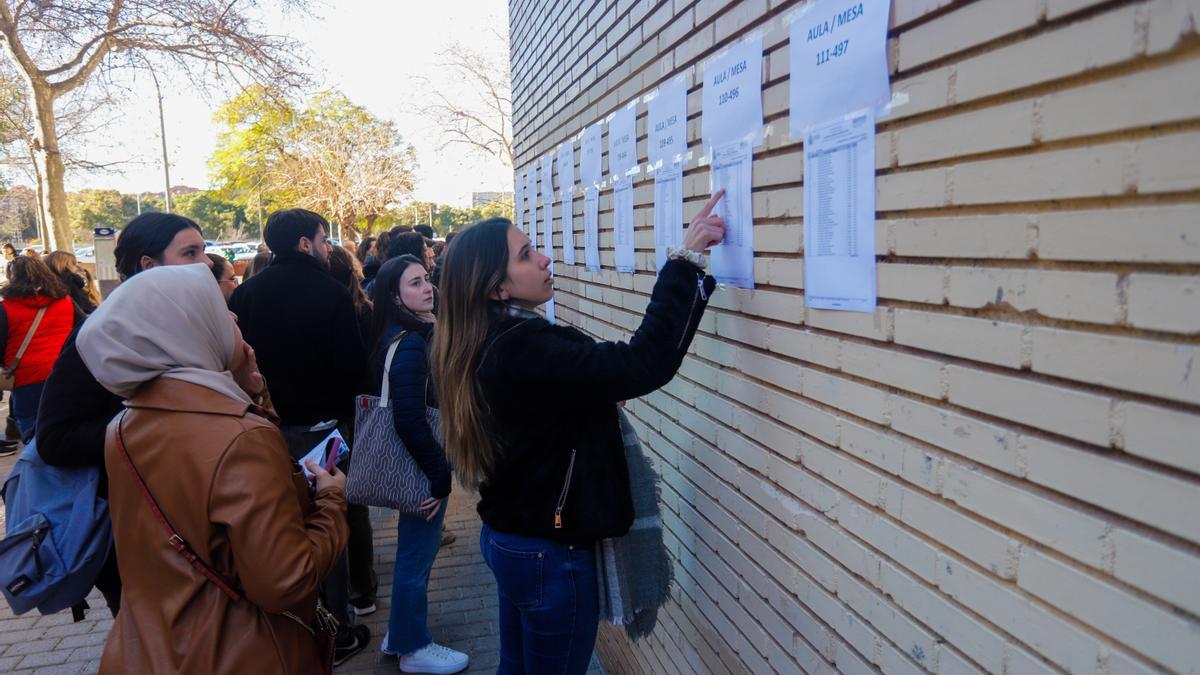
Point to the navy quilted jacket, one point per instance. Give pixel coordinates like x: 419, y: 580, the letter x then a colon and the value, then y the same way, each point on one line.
x: 411, y: 389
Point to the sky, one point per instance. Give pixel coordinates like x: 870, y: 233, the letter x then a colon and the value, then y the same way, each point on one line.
x: 372, y: 50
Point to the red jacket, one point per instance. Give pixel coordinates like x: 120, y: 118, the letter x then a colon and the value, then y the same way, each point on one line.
x: 47, y: 342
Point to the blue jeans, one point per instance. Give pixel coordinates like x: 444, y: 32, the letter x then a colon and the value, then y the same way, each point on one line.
x: 24, y: 406
x: 416, y: 549
x: 549, y: 609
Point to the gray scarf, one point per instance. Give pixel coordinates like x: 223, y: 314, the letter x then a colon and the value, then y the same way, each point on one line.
x: 635, y: 571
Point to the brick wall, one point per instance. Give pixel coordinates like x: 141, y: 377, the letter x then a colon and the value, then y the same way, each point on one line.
x: 997, y: 471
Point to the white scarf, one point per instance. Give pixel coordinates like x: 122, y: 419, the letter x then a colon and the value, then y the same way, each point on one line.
x: 168, y: 321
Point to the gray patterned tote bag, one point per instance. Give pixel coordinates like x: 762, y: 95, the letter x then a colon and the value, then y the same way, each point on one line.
x: 383, y: 471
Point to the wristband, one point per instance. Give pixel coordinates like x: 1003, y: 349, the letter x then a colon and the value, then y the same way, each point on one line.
x: 693, y: 257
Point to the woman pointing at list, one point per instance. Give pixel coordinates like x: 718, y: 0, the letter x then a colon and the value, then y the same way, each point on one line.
x: 530, y: 418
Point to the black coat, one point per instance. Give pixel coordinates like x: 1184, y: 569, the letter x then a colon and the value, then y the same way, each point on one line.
x: 552, y: 394
x: 305, y: 333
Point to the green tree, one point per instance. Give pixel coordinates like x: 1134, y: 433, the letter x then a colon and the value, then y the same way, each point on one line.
x: 218, y: 218
x: 98, y: 208
x: 446, y: 218
x: 332, y: 156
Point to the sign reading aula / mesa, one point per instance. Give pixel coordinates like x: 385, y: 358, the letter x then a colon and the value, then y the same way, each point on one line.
x: 733, y: 96
x: 838, y: 61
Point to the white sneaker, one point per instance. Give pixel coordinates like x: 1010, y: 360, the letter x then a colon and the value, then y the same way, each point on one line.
x: 434, y: 658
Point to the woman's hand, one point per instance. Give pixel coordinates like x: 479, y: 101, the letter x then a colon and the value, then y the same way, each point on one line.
x: 334, y: 478
x: 431, y: 505
x: 706, y: 229
x: 246, y: 374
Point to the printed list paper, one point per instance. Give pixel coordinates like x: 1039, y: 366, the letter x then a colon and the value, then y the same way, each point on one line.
x: 839, y: 215
x: 591, y: 227
x: 733, y: 258
x: 667, y: 145
x: 566, y: 190
x: 622, y: 161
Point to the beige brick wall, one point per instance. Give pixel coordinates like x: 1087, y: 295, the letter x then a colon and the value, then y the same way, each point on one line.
x: 999, y: 469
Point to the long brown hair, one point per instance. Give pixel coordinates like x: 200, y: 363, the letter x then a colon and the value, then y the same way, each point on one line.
x: 29, y: 276
x: 75, y: 277
x: 345, y: 268
x: 476, y: 263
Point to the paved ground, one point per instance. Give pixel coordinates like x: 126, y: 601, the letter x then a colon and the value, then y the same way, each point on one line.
x: 462, y: 608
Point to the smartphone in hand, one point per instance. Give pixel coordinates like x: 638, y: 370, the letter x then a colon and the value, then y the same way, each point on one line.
x: 332, y: 453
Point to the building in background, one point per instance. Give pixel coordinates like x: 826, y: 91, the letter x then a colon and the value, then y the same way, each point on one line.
x: 999, y: 469
x: 484, y: 198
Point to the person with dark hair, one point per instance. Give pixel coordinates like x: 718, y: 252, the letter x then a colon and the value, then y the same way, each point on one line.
x: 371, y: 268
x: 407, y: 243
x: 223, y: 270
x: 304, y: 327
x: 424, y: 230
x: 36, y: 308
x: 551, y: 485
x: 402, y: 324
x: 366, y: 251
x: 75, y: 408
x: 77, y: 279
x: 10, y: 251
x: 154, y: 239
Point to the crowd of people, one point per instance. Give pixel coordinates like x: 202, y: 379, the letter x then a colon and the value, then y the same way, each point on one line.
x: 195, y: 394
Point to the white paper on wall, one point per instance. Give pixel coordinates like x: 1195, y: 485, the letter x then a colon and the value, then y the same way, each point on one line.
x: 589, y: 156
x: 591, y: 228
x: 622, y: 143
x: 667, y: 146
x: 622, y: 161
x: 838, y: 54
x: 733, y: 258
x: 666, y: 125
x: 566, y: 191
x: 839, y: 215
x: 733, y: 96
x: 623, y: 224
x: 668, y: 212
x: 547, y: 205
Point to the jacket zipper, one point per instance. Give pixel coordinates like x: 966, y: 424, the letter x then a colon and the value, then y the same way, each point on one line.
x: 562, y: 497
x: 700, y: 295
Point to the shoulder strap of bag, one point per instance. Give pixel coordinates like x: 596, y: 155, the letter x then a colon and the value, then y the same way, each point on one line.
x: 385, y: 395
x: 177, y: 542
x: 37, y: 319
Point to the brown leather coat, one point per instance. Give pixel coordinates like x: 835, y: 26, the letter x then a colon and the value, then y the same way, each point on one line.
x: 224, y: 479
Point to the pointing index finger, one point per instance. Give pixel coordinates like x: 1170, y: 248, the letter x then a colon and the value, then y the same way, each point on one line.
x: 704, y: 212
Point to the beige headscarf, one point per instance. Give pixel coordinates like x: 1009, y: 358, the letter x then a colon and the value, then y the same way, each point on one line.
x: 168, y: 321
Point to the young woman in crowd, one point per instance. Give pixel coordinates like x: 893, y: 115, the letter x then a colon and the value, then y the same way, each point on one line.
x: 223, y: 270
x: 33, y: 288
x: 194, y: 447
x: 404, y: 313
x: 72, y: 423
x: 10, y: 252
x: 80, y: 286
x: 530, y: 419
